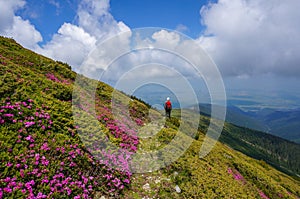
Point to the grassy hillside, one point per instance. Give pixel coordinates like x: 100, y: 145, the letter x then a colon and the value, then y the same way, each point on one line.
x: 282, y: 154
x: 46, y: 154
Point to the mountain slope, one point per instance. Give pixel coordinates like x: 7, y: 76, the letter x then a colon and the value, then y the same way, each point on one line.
x: 282, y: 123
x: 46, y: 153
x: 235, y: 116
x: 281, y: 153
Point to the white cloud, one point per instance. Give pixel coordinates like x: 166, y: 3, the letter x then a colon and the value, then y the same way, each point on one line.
x: 7, y: 12
x: 112, y: 54
x: 165, y: 39
x: 76, y: 33
x: 105, y: 52
x: 94, y: 17
x: 253, y: 37
x: 71, y: 44
x: 147, y: 48
x: 14, y: 26
x: 23, y: 32
x: 181, y: 28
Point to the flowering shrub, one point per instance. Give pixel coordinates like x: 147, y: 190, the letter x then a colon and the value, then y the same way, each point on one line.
x: 37, y: 164
x: 236, y: 175
x: 52, y: 77
x: 120, y: 132
x: 263, y: 195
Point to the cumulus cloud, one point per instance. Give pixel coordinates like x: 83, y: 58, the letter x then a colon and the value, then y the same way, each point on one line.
x: 154, y: 50
x: 253, y: 37
x: 24, y: 32
x: 95, y: 18
x: 7, y: 12
x: 135, y: 48
x: 73, y: 42
x: 14, y: 26
x: 165, y: 39
x: 162, y: 55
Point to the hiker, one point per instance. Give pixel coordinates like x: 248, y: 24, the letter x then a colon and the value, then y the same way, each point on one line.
x: 168, y: 107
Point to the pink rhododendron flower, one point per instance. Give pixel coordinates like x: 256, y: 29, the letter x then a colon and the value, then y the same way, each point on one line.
x: 9, y: 164
x: 28, y: 124
x: 7, y: 190
x: 262, y: 195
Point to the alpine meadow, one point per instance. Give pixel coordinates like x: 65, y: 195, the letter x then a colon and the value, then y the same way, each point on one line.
x: 46, y: 154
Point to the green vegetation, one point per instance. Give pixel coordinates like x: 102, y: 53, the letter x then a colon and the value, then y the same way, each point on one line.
x: 282, y: 154
x: 224, y: 173
x: 45, y: 153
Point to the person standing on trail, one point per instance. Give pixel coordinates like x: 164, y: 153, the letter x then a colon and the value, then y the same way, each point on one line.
x: 168, y: 107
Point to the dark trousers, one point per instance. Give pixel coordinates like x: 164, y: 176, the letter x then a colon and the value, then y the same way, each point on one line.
x: 168, y: 113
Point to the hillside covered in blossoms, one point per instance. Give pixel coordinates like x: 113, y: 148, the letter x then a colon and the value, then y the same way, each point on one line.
x: 45, y: 153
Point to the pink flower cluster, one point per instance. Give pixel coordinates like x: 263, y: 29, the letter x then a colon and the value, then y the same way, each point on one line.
x: 42, y: 168
x: 139, y: 122
x: 263, y: 195
x: 236, y: 175
x: 34, y: 170
x: 123, y: 129
x: 52, y: 77
x: 2, y: 61
x: 14, y: 114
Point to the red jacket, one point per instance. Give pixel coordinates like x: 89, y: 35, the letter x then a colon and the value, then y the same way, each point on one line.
x: 168, y: 105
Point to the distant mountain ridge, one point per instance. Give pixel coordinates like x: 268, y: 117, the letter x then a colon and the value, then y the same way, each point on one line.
x: 235, y: 116
x: 282, y: 123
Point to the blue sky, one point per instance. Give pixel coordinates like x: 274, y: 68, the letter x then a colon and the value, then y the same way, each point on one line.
x: 48, y: 16
x: 171, y: 14
x: 255, y: 44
